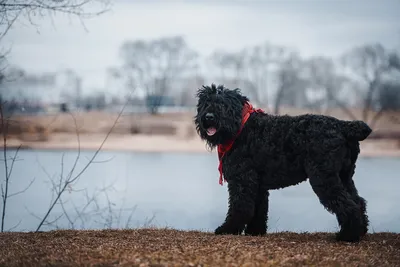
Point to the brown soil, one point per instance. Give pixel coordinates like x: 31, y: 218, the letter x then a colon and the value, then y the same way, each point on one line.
x: 162, y: 247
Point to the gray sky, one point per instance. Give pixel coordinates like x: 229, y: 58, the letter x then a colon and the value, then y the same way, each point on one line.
x: 313, y: 27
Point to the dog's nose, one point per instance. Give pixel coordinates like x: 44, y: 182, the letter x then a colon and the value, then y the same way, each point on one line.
x: 209, y: 116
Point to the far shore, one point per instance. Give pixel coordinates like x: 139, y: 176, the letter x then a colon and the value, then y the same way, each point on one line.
x: 159, y: 143
x: 169, y: 132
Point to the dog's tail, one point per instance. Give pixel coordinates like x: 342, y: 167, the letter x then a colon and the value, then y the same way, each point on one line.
x: 356, y: 130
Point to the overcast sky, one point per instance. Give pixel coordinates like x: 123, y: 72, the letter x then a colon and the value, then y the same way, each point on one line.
x: 314, y: 27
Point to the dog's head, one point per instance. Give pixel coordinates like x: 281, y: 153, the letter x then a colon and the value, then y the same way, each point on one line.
x: 219, y: 114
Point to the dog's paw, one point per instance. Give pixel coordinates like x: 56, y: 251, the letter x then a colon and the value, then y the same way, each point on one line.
x: 347, y: 237
x: 220, y: 230
x: 353, y: 230
x: 255, y: 232
x: 225, y: 230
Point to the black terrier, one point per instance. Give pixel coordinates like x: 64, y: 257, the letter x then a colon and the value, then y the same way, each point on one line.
x: 260, y: 152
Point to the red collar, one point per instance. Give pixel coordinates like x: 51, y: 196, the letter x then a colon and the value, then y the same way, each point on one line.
x: 223, y: 149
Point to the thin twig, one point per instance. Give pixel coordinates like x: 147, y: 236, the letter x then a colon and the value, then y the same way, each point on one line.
x: 66, y: 214
x: 69, y: 180
x: 4, y: 190
x: 15, y: 226
x: 23, y: 190
x: 79, y: 148
x: 128, y: 221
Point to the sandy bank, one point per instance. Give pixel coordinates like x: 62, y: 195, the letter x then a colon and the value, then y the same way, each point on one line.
x: 160, y: 143
x: 173, y: 132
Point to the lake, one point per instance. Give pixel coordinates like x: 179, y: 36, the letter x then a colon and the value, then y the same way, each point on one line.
x: 174, y: 190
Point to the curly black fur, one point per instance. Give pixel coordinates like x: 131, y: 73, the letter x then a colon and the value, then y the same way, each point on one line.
x: 274, y: 152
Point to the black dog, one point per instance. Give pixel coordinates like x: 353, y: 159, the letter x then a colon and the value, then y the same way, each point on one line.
x: 261, y: 152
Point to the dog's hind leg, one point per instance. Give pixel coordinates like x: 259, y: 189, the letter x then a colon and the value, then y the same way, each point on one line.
x: 258, y: 224
x: 346, y: 176
x: 243, y: 190
x: 335, y: 198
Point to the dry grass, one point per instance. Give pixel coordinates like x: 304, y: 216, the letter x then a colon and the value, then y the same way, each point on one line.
x: 151, y: 247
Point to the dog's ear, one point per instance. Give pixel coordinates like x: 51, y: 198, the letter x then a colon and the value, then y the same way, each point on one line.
x: 239, y: 94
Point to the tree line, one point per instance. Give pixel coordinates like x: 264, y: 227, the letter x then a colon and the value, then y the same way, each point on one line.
x: 366, y: 77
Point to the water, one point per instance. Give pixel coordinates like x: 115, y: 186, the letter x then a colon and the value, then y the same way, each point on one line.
x: 175, y: 190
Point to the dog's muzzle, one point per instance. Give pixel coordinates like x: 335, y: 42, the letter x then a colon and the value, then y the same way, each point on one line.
x: 209, y: 123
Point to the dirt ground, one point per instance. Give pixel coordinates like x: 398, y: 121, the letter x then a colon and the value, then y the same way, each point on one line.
x: 162, y: 247
x: 173, y: 132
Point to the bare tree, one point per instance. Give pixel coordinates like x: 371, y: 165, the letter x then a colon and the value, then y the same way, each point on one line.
x: 369, y: 66
x: 249, y: 68
x: 260, y: 61
x: 154, y: 66
x: 291, y: 85
x: 11, y: 10
x: 389, y: 96
x: 230, y: 64
x: 326, y: 85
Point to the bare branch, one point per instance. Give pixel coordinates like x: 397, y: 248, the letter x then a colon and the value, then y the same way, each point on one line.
x: 148, y: 221
x: 23, y: 190
x: 153, y: 65
x: 15, y: 226
x: 66, y: 214
x: 128, y: 221
x: 70, y: 179
x: 79, y: 149
x: 11, y: 10
x: 62, y: 167
x: 4, y: 190
x: 13, y: 159
x: 53, y: 221
x: 9, y: 24
x: 101, y: 161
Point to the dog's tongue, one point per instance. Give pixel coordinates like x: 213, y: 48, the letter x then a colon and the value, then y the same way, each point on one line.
x: 211, y: 131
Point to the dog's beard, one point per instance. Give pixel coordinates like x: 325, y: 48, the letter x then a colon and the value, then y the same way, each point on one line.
x: 210, y: 134
x: 210, y: 128
x: 217, y: 133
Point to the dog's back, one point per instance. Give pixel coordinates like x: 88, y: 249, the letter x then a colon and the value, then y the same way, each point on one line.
x: 320, y: 125
x: 300, y: 139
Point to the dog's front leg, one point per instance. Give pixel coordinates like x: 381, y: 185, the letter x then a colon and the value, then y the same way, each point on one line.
x: 242, y: 191
x: 258, y: 225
